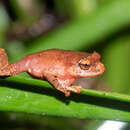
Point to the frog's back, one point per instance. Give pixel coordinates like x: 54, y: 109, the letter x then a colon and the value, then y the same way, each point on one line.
x: 53, y: 59
x: 54, y: 54
x: 63, y: 53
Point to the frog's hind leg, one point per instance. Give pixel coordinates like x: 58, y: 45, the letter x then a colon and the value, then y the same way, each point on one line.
x: 7, y: 69
x: 3, y: 63
x: 3, y: 59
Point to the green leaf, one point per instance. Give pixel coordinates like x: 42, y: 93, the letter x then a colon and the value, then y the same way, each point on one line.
x: 21, y: 94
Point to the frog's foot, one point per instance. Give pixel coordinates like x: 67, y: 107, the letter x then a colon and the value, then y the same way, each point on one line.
x: 76, y: 89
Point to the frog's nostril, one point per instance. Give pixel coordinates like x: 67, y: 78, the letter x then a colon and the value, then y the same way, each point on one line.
x: 98, y: 68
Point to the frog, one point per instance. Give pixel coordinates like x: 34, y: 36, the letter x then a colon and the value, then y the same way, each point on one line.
x: 59, y: 67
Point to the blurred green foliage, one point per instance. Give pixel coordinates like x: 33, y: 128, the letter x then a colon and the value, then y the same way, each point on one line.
x: 85, y: 25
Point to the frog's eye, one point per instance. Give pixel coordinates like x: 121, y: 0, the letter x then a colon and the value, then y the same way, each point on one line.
x: 84, y: 64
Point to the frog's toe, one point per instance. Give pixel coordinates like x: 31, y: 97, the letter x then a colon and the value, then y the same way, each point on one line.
x: 67, y: 93
x: 76, y: 89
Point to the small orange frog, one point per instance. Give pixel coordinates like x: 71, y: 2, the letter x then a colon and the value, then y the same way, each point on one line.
x: 59, y: 67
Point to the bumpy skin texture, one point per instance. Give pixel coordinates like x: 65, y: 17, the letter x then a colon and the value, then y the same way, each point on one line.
x: 59, y: 67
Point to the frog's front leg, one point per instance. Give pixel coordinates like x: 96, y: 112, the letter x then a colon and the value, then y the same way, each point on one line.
x: 63, y: 84
x: 66, y: 84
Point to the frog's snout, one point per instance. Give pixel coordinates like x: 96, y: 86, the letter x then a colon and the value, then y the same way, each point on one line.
x: 100, y: 68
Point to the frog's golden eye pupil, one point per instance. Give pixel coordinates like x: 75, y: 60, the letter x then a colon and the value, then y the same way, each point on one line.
x: 84, y: 64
